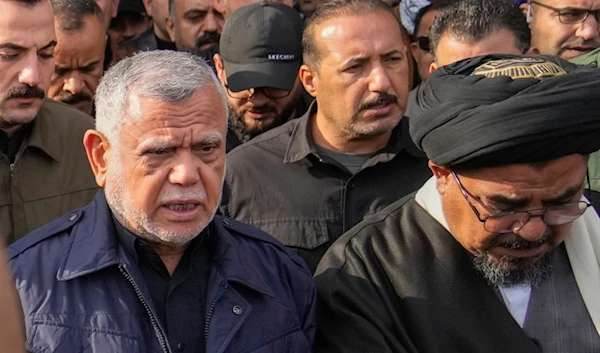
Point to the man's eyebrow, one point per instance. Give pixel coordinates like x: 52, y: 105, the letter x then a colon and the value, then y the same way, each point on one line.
x: 153, y: 144
x: 90, y: 66
x: 391, y: 53
x: 508, y: 201
x: 193, y: 12
x: 215, y: 137
x: 573, y: 8
x: 566, y: 195
x: 162, y: 144
x: 14, y: 46
x: 52, y: 44
x: 357, y: 59
x: 520, y: 202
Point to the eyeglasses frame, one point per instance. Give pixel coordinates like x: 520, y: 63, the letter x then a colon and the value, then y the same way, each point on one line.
x: 559, y: 11
x: 253, y: 91
x: 539, y: 212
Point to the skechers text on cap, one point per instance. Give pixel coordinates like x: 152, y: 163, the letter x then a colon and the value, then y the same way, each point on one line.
x: 261, y: 46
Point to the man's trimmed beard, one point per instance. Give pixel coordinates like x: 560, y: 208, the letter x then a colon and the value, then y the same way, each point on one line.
x: 138, y: 222
x: 514, y: 272
x: 510, y: 271
x: 236, y: 117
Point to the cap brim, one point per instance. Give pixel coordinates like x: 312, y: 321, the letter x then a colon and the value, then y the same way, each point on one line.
x: 280, y: 75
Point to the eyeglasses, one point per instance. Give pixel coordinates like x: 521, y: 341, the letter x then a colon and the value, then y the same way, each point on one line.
x: 269, y: 92
x: 570, y: 15
x: 510, y: 222
x: 423, y: 43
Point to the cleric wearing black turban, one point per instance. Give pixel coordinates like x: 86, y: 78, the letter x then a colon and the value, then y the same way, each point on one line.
x: 495, y: 110
x: 499, y: 251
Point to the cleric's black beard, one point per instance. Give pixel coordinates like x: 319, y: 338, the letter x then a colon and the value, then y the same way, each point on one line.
x: 514, y: 271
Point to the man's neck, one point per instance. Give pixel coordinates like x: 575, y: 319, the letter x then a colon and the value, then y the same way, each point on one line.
x: 10, y: 131
x: 328, y: 135
x: 169, y: 254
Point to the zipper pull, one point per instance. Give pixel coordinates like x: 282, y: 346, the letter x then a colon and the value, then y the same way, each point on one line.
x: 12, y: 169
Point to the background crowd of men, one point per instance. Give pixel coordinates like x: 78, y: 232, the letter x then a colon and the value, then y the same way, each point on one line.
x: 329, y: 112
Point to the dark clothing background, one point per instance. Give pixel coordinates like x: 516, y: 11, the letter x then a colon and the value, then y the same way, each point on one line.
x: 148, y: 41
x: 279, y: 183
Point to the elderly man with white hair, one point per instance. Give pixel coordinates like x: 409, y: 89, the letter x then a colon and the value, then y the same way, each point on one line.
x: 147, y: 266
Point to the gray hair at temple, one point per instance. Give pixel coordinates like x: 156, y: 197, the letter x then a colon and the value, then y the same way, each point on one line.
x: 71, y: 13
x: 474, y: 20
x: 161, y: 75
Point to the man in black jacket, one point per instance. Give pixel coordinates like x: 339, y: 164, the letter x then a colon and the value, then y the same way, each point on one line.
x: 313, y: 178
x: 147, y: 266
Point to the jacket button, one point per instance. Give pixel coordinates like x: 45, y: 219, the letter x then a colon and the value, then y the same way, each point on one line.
x: 237, y: 310
x: 72, y: 217
x: 227, y: 222
x: 180, y: 346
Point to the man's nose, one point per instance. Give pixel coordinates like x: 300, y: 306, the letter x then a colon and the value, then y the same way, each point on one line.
x: 533, y: 230
x: 31, y: 74
x: 73, y: 84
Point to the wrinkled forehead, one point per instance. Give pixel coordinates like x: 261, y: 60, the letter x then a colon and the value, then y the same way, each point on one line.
x: 353, y: 35
x: 185, y: 6
x: 90, y: 37
x: 200, y: 114
x: 541, y: 180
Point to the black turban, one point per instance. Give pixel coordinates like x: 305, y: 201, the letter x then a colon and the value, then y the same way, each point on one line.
x: 507, y: 109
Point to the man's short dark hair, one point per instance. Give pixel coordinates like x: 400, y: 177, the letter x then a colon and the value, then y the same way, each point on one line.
x: 333, y: 9
x: 473, y: 20
x: 70, y: 14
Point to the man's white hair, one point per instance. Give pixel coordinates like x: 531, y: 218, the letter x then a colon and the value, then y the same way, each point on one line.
x: 161, y: 75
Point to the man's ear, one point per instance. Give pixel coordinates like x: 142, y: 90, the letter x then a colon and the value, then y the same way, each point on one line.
x: 443, y: 176
x: 170, y: 25
x: 115, y: 8
x: 414, y: 50
x: 97, y: 150
x: 309, y: 79
x: 221, y: 74
x: 432, y: 67
x: 527, y: 11
x: 147, y: 7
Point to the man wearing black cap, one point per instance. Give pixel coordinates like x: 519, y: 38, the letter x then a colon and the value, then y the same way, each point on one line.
x: 130, y: 23
x: 498, y: 252
x: 258, y: 66
x: 313, y: 178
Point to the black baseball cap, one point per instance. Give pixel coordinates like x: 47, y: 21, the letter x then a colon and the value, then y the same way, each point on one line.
x: 131, y: 6
x: 261, y: 46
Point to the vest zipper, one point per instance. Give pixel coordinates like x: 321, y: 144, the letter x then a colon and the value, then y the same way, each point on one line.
x: 12, y: 169
x: 159, y: 334
x: 212, y: 309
